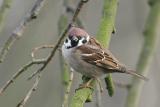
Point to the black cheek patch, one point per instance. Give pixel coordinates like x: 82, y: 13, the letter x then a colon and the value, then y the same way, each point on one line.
x: 66, y: 41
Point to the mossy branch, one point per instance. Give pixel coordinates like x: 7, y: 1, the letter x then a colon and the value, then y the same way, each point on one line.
x: 65, y: 75
x: 107, y: 22
x: 103, y: 35
x: 81, y: 96
x: 150, y: 37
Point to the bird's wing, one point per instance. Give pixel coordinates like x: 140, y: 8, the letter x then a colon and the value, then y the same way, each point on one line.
x: 94, y: 54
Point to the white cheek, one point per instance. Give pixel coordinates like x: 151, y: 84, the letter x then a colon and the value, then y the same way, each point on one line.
x: 65, y: 51
x: 80, y: 41
x: 68, y: 44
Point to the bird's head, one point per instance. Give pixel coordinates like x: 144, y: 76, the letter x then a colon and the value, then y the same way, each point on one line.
x: 76, y: 37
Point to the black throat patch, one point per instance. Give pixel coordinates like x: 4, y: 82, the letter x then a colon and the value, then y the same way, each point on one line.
x: 74, y: 43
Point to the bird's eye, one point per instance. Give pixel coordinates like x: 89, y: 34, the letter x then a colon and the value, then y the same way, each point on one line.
x: 84, y: 41
x: 66, y: 41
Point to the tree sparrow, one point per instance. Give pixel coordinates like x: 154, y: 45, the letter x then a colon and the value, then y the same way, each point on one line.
x: 85, y: 55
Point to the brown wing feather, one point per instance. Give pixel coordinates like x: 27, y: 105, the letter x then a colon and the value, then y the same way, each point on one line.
x: 93, y: 53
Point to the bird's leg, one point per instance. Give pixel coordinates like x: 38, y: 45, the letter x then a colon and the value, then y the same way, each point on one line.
x: 99, y: 83
x: 87, y: 84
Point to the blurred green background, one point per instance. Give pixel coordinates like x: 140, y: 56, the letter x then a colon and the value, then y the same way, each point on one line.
x: 125, y: 44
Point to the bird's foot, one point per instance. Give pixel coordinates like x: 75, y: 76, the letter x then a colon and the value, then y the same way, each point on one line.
x: 86, y: 85
x: 100, y: 85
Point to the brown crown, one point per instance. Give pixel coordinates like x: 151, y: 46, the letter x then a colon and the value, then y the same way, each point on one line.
x: 74, y: 31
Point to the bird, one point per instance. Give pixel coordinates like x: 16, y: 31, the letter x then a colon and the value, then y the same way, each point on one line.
x: 86, y: 55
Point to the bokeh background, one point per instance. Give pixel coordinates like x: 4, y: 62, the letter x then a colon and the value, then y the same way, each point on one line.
x: 126, y: 44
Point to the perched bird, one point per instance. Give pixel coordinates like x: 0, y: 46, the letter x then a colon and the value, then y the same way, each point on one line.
x: 85, y: 55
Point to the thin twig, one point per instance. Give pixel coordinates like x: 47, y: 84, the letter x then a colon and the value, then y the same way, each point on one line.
x: 38, y: 48
x: 25, y: 67
x: 68, y: 88
x: 17, y: 74
x: 70, y: 10
x: 17, y: 33
x: 34, y: 87
x: 79, y: 7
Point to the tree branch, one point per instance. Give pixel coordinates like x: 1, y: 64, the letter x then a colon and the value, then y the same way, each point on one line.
x: 17, y: 74
x: 68, y: 88
x: 28, y: 96
x: 150, y: 37
x: 104, y: 34
x: 17, y: 33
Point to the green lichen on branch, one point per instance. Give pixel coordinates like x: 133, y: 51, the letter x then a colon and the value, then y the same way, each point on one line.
x: 81, y: 96
x: 109, y: 85
x: 107, y: 22
x: 150, y: 37
x: 103, y: 36
x: 63, y: 20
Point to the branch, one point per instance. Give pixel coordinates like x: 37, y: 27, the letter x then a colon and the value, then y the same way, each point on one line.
x: 79, y: 7
x: 150, y: 37
x: 28, y: 96
x: 103, y: 35
x: 38, y: 48
x: 62, y: 22
x: 65, y: 76
x: 17, y: 74
x: 17, y: 33
x: 81, y: 96
x: 3, y: 10
x: 68, y: 88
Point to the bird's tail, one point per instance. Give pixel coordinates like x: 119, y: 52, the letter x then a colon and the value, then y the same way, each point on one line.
x: 131, y: 72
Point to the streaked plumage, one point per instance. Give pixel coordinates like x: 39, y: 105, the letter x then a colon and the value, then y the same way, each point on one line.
x: 85, y: 55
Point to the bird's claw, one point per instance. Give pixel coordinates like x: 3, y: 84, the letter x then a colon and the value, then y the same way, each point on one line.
x: 85, y: 86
